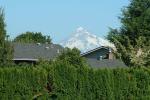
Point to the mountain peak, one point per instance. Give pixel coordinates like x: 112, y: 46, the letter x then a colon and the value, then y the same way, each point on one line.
x: 85, y: 41
x: 80, y: 29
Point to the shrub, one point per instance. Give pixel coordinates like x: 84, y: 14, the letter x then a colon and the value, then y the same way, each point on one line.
x: 62, y: 81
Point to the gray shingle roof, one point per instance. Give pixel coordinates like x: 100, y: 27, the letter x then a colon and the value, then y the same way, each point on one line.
x: 33, y: 52
x: 30, y: 51
x: 109, y: 63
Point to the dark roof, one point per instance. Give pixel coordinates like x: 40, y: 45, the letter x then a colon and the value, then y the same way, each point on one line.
x: 33, y: 52
x: 90, y: 51
x: 109, y: 63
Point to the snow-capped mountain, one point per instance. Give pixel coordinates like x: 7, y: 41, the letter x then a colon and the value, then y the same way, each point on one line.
x: 85, y: 41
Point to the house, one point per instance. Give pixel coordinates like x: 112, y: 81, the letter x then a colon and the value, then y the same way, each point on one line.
x: 31, y: 53
x: 102, y: 57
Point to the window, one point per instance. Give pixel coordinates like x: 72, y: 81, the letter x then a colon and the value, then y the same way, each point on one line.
x: 101, y: 57
x: 106, y: 56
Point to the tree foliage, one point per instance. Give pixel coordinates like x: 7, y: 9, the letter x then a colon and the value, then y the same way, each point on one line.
x: 132, y: 40
x: 72, y: 56
x: 62, y: 81
x: 5, y: 46
x: 32, y: 37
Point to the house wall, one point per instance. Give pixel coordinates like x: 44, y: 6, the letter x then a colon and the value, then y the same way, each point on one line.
x: 96, y: 54
x: 110, y: 61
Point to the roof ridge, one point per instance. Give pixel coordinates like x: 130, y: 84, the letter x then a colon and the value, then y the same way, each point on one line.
x: 85, y: 53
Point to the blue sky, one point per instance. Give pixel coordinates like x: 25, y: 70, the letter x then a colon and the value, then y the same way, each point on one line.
x: 60, y: 18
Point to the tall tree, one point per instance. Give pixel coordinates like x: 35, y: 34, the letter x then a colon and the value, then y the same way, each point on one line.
x: 32, y: 37
x: 5, y: 46
x: 132, y: 40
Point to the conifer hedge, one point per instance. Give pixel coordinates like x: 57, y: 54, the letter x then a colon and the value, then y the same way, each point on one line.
x: 61, y: 81
x: 22, y: 83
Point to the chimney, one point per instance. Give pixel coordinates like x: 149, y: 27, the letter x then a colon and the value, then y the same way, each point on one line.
x: 110, y: 55
x: 58, y: 51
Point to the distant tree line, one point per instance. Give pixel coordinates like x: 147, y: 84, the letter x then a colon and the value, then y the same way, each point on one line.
x: 32, y: 37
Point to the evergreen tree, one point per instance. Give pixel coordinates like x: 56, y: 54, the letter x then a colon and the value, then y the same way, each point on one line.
x: 5, y: 46
x: 132, y: 40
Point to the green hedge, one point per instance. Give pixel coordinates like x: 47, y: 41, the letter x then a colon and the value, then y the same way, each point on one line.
x: 61, y: 81
x: 22, y: 83
x: 100, y: 84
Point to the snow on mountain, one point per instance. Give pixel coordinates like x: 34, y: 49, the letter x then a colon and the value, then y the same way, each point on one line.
x: 85, y: 41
